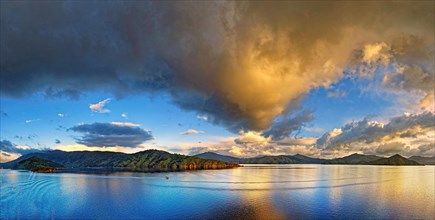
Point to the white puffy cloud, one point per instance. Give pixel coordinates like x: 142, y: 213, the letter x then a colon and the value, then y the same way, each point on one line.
x: 202, y: 117
x: 99, y: 107
x: 128, y: 124
x: 191, y: 131
x: 252, y: 137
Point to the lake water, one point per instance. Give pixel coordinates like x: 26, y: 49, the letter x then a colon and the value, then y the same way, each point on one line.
x: 250, y: 192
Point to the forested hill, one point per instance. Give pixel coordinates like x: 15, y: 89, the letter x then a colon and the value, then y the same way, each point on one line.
x: 137, y: 161
x: 37, y: 164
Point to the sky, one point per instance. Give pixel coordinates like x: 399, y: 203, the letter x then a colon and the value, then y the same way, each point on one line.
x: 323, y: 79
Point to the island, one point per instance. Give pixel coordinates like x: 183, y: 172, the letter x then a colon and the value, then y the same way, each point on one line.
x: 144, y: 161
x: 40, y: 165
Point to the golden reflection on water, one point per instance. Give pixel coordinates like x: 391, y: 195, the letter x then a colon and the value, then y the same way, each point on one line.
x: 259, y: 202
x: 399, y: 189
x: 406, y: 189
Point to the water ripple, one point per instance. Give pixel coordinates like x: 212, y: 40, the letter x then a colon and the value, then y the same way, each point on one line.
x: 269, y: 188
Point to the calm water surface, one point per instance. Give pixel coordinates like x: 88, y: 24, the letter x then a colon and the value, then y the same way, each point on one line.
x: 250, y: 192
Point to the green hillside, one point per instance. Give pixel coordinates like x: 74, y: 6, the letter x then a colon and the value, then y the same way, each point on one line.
x: 37, y: 164
x: 141, y: 161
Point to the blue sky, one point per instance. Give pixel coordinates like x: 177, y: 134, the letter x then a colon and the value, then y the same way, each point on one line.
x: 226, y: 77
x: 156, y: 114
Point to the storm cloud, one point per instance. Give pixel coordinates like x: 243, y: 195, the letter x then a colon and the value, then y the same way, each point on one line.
x: 111, y: 135
x: 240, y: 64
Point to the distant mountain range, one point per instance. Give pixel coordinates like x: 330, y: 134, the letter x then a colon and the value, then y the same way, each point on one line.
x: 395, y: 160
x: 148, y: 160
x: 155, y: 160
x: 423, y: 160
x: 301, y: 159
x: 353, y: 159
x: 282, y: 159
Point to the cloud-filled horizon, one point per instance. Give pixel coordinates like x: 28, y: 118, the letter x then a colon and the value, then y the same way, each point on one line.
x: 241, y: 78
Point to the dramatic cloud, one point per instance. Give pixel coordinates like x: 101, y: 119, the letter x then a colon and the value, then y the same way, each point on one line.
x: 111, y: 135
x: 405, y: 134
x: 99, y: 107
x: 407, y: 64
x: 408, y: 135
x: 413, y: 79
x: 191, y: 131
x: 240, y: 64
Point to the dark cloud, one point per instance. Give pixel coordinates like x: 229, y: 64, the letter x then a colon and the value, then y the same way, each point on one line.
x: 57, y: 141
x: 287, y: 125
x: 238, y: 63
x: 9, y: 147
x: 110, y: 135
